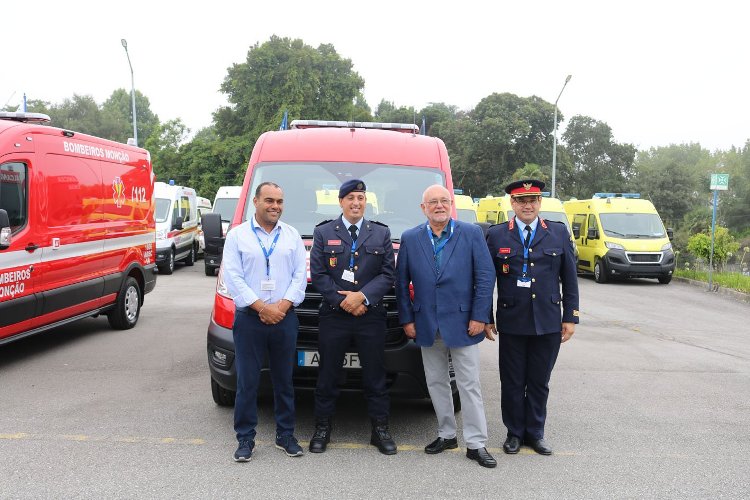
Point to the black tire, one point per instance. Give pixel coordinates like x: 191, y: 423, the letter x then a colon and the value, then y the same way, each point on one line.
x: 600, y: 271
x: 210, y: 270
x: 190, y: 259
x: 168, y: 267
x: 664, y: 280
x: 222, y: 397
x: 127, y: 306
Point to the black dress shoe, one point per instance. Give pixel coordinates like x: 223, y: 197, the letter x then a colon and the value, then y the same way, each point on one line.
x: 540, y: 446
x: 511, y: 445
x: 322, y: 435
x: 482, y: 456
x: 381, y: 437
x: 440, y: 445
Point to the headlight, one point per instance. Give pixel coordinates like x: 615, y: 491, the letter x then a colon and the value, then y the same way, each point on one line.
x: 161, y: 234
x: 667, y: 246
x: 221, y: 287
x: 613, y: 246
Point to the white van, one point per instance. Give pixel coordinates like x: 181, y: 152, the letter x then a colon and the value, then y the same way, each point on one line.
x: 224, y: 204
x: 204, y: 207
x: 176, y: 225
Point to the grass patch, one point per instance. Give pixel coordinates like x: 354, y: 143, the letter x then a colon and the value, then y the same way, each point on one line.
x: 735, y: 281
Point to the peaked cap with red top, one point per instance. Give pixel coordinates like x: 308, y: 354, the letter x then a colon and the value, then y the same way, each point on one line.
x: 526, y: 187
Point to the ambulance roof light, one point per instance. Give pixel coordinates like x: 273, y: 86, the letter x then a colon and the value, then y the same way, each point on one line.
x: 20, y: 116
x: 546, y: 194
x: 400, y: 127
x: 171, y: 182
x: 634, y: 196
x: 458, y: 191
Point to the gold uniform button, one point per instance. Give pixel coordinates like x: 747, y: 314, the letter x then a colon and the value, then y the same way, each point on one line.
x: 532, y: 264
x: 356, y: 254
x: 356, y: 282
x: 533, y: 295
x: 531, y: 249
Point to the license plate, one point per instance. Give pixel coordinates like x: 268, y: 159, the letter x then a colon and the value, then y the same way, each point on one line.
x: 312, y: 358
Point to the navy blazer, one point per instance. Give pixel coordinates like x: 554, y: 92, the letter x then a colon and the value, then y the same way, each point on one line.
x: 534, y: 310
x: 448, y: 299
x: 373, y: 260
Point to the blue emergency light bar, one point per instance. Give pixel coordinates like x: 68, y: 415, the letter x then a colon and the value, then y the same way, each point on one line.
x: 458, y: 191
x: 634, y: 196
x: 545, y: 194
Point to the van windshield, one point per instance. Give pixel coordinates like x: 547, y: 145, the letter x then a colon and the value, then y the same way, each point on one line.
x: 466, y: 215
x: 162, y: 209
x: 632, y: 225
x: 394, y: 193
x: 225, y: 207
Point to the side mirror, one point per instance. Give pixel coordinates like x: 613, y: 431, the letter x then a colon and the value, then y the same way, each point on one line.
x: 212, y: 233
x: 177, y: 223
x: 593, y: 234
x: 4, y: 230
x: 670, y: 233
x: 577, y: 232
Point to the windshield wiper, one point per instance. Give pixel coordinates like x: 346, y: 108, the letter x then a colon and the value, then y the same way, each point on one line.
x: 615, y: 233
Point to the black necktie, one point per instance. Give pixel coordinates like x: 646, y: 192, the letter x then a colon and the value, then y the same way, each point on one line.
x: 353, y: 232
x: 528, y: 236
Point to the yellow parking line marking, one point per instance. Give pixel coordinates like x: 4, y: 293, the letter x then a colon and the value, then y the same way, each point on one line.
x: 18, y: 435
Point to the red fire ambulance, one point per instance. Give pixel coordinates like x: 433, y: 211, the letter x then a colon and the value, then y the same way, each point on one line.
x: 77, y: 234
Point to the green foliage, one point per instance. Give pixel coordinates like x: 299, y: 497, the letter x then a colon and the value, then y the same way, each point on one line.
x: 724, y: 244
x: 286, y: 75
x: 735, y: 281
x: 529, y: 171
x: 598, y: 162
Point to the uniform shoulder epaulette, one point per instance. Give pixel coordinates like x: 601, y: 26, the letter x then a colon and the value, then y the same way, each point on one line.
x: 378, y: 223
x: 324, y: 222
x: 555, y: 221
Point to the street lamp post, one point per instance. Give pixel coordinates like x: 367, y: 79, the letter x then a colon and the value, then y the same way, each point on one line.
x: 554, y: 143
x: 132, y: 90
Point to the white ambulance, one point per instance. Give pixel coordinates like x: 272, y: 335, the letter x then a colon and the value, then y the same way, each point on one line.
x: 176, y: 216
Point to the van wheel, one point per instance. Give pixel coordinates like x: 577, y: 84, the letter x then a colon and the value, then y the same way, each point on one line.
x: 222, y: 397
x: 664, y: 280
x: 190, y: 259
x: 168, y: 268
x: 127, y: 307
x: 210, y: 270
x: 600, y: 272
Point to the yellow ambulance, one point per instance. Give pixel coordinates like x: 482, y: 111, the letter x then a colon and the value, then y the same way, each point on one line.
x: 465, y: 209
x: 619, y: 235
x: 497, y: 209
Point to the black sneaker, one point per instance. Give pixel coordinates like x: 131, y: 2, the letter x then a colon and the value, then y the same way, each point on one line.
x: 290, y: 446
x: 244, y: 451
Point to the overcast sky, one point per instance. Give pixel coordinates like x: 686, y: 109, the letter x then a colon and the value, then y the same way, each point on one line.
x: 658, y: 72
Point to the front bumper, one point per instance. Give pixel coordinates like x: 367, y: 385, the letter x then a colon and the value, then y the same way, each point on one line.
x: 619, y: 264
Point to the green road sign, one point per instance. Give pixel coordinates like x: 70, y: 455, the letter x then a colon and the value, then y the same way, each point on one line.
x: 720, y: 182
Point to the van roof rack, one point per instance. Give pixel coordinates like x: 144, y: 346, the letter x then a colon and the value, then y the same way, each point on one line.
x: 399, y: 127
x: 20, y: 116
x: 617, y: 195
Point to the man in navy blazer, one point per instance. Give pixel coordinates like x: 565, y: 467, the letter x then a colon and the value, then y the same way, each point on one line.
x: 448, y: 265
x: 533, y: 259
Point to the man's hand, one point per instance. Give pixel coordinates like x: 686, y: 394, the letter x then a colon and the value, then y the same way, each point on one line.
x: 475, y: 327
x: 568, y: 329
x: 359, y: 310
x: 490, y: 331
x: 352, y: 300
x: 410, y: 330
x: 271, y: 314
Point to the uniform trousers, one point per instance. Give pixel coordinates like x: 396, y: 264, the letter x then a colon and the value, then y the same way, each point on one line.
x: 466, y: 367
x: 338, y: 331
x: 252, y: 340
x: 526, y: 363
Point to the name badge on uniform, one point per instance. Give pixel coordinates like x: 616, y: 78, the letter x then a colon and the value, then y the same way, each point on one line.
x: 268, y: 285
x: 523, y: 283
x: 348, y: 275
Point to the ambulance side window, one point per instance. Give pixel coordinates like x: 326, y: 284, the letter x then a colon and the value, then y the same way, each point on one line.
x: 185, y: 208
x: 14, y: 194
x: 579, y: 221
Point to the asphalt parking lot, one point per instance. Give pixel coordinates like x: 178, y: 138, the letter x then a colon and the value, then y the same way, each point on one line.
x: 650, y: 399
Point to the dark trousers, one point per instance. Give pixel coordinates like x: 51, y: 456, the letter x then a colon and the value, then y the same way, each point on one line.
x: 252, y: 340
x: 526, y: 363
x: 337, y: 331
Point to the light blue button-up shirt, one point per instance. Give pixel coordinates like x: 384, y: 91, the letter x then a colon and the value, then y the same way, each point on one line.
x: 244, y: 264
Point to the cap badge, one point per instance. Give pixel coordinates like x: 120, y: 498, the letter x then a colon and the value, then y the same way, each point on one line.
x: 527, y: 186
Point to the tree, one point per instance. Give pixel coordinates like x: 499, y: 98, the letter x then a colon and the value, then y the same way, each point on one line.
x: 164, y: 145
x: 724, y: 244
x: 117, y: 117
x: 599, y: 163
x: 287, y: 75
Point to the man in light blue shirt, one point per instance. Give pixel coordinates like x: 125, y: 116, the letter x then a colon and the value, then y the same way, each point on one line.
x: 265, y: 270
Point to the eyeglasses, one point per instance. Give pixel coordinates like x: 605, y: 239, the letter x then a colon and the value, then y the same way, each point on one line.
x: 526, y: 200
x: 442, y: 201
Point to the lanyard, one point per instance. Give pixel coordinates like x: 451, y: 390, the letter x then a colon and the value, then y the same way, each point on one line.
x: 526, y: 248
x: 436, y: 249
x: 267, y: 253
x: 351, y: 256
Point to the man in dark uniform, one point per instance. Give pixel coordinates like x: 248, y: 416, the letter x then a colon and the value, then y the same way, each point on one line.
x: 533, y: 259
x: 352, y: 266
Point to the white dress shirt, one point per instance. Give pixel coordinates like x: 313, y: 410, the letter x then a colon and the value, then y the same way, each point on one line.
x: 244, y: 264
